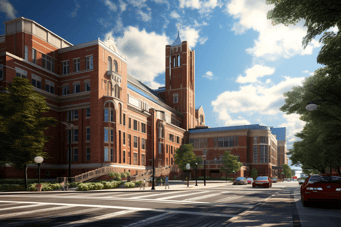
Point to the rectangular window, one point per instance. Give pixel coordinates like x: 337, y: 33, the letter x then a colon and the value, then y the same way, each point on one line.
x: 47, y: 62
x: 171, y: 161
x: 263, y: 139
x: 34, y: 56
x: 174, y: 62
x: 143, y: 144
x: 26, y: 53
x: 106, y: 154
x: 171, y: 137
x: 88, y: 134
x: 76, y: 65
x: 135, y: 141
x: 221, y: 142
x: 35, y: 83
x: 124, y: 156
x: 143, y: 127
x: 135, y: 158
x: 76, y: 88
x: 129, y: 139
x: 75, y: 135
x: 88, y: 153
x: 171, y: 150
x: 255, y: 153
x: 75, y: 154
x: 88, y: 112
x: 89, y: 62
x: 177, y: 139
x: 166, y: 148
x: 111, y: 154
x: 129, y: 123
x: 112, y: 135
x: 124, y: 119
x: 106, y: 136
x: 178, y: 60
x: 65, y: 90
x: 255, y: 141
x: 87, y: 86
x: 160, y: 148
x: 124, y: 138
x: 111, y: 115
x: 75, y: 115
x: 143, y: 159
x: 106, y: 115
x: 175, y: 99
x: 135, y: 125
x: 65, y: 67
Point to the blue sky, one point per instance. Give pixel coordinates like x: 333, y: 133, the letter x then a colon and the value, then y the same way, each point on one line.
x: 243, y: 63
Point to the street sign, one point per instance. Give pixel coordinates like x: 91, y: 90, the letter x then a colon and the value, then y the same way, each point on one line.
x: 203, y: 157
x: 294, y: 177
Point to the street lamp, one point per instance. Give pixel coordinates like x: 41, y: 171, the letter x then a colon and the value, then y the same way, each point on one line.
x: 196, y: 174
x: 39, y: 160
x: 153, y: 188
x: 188, y: 166
x: 204, y: 157
x: 69, y: 127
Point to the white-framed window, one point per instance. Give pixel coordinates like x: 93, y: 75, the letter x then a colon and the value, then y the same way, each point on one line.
x: 143, y: 144
x: 115, y: 66
x: 20, y: 73
x: 76, y: 87
x: 88, y: 134
x: 160, y: 130
x: 106, y: 135
x: 75, y: 115
x: 88, y: 112
x: 65, y: 89
x: 135, y: 159
x: 36, y: 81
x: 135, y: 141
x: 34, y: 56
x: 106, y: 115
x: 143, y: 127
x: 124, y: 138
x: 47, y: 62
x: 26, y: 53
x: 106, y: 154
x: 76, y: 65
x: 109, y: 68
x: 87, y: 85
x: 175, y: 98
x: 87, y: 153
x: 112, y: 135
x: 49, y: 86
x: 112, y: 115
x: 65, y: 67
x: 135, y: 124
x: 89, y: 62
x: 75, y: 135
x: 75, y: 154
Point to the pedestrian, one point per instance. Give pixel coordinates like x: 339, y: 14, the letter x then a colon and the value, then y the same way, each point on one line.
x: 166, y: 183
x: 143, y: 184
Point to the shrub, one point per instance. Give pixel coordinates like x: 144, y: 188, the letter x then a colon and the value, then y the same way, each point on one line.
x: 56, y: 186
x: 174, y: 178
x: 116, y: 184
x: 10, y: 187
x: 98, y: 186
x: 103, y: 182
x: 82, y: 187
x: 137, y: 183
x: 127, y: 173
x: 123, y: 175
x: 129, y: 185
x: 118, y: 178
x: 73, y: 184
x: 108, y: 185
x: 159, y: 179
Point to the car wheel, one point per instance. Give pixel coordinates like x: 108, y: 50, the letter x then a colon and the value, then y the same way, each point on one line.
x: 253, y: 186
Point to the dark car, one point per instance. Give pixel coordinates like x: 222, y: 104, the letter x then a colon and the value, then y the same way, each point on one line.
x: 262, y: 181
x: 249, y: 180
x: 321, y: 187
x: 274, y: 180
x: 240, y: 180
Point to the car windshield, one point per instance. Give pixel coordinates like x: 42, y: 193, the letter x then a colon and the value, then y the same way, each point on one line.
x: 249, y: 179
x: 262, y: 178
x: 240, y: 178
x: 274, y: 178
x: 325, y: 179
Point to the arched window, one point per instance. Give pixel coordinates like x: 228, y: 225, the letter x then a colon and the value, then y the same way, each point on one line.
x: 117, y: 91
x: 115, y: 66
x: 179, y: 60
x: 109, y: 64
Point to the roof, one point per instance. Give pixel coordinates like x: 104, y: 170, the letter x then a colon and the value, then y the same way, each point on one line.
x: 177, y: 41
x: 198, y: 107
x: 250, y: 127
x: 160, y: 89
x: 279, y: 132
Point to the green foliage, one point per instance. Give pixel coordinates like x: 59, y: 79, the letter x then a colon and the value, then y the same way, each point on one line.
x: 137, y: 183
x: 159, y: 180
x: 11, y: 187
x: 116, y: 176
x: 123, y: 175
x: 129, y: 185
x: 127, y: 173
x: 184, y: 155
x: 254, y: 173
x: 287, y: 171
x: 74, y: 184
x: 175, y: 177
x: 230, y: 163
x: 82, y: 187
x: 98, y: 186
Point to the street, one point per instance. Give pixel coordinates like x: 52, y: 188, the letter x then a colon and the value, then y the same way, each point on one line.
x: 217, y: 204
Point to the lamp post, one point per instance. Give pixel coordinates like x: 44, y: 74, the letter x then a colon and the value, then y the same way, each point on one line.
x: 39, y: 160
x: 153, y: 187
x: 69, y: 127
x: 204, y: 158
x: 196, y: 174
x: 188, y: 166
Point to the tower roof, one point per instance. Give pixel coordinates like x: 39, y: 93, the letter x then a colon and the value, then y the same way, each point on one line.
x: 177, y: 41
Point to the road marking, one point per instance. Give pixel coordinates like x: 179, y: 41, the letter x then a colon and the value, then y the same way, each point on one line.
x: 176, y: 196
x: 202, y: 197
x: 150, y: 195
x: 151, y: 220
x: 97, y: 218
x: 32, y: 211
x: 10, y: 208
x: 227, y: 199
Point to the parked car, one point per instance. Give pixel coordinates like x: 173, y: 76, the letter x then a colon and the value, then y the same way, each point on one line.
x: 249, y: 180
x: 301, y: 181
x: 263, y: 181
x: 274, y: 180
x: 321, y: 187
x: 240, y: 180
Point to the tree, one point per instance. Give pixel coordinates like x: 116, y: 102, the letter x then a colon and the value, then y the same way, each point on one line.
x: 22, y: 125
x: 230, y: 163
x: 254, y: 173
x: 293, y: 172
x: 287, y: 171
x: 184, y: 154
x: 319, y: 17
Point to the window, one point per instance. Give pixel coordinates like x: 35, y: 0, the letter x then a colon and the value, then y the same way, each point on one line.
x: 160, y: 148
x: 166, y: 148
x: 129, y: 139
x: 129, y: 123
x: 120, y: 105
x: 20, y: 73
x: 88, y: 112
x: 171, y: 137
x: 115, y: 66
x: 112, y: 115
x: 36, y: 80
x: 88, y: 153
x: 263, y: 139
x: 171, y: 150
x: 111, y: 154
x: 135, y: 158
x: 160, y: 131
x: 87, y: 134
x: 179, y: 60
x: 143, y: 144
x: 112, y: 135
x: 143, y: 127
x: 75, y: 135
x: 135, y: 125
x: 75, y: 114
x: 106, y: 136
x: 49, y: 86
x: 263, y: 153
x: 75, y: 154
x: 89, y: 62
x: 175, y: 98
x: 76, y: 87
x: 48, y: 62
x: 109, y: 68
x: 26, y: 53
x: 224, y: 142
x: 143, y: 159
x: 65, y: 67
x: 124, y: 119
x: 76, y: 65
x: 65, y: 90
x: 255, y: 141
x: 124, y: 138
x: 34, y: 56
x: 106, y: 154
x: 174, y: 62
x: 135, y: 141
x: 171, y: 161
x: 124, y: 156
x: 255, y: 153
x: 87, y: 85
x: 177, y: 139
x: 166, y: 161
x: 2, y: 73
x: 106, y: 113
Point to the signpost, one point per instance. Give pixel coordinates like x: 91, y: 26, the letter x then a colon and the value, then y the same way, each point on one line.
x: 204, y: 158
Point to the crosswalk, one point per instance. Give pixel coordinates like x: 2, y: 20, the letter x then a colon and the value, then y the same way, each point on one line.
x: 85, y: 209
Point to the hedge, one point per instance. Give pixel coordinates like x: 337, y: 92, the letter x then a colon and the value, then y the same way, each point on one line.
x: 129, y: 185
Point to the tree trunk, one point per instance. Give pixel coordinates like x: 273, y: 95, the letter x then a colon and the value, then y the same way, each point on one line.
x: 26, y: 177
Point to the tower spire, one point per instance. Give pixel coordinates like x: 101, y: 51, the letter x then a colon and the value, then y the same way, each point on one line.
x: 177, y: 40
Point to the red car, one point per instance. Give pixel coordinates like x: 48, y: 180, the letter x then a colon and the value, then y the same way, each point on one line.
x: 262, y: 181
x: 321, y: 187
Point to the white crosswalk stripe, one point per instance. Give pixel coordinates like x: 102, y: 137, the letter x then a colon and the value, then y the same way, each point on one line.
x: 31, y: 212
x: 150, y: 220
x: 19, y: 207
x: 150, y: 195
x: 203, y: 197
x: 177, y: 196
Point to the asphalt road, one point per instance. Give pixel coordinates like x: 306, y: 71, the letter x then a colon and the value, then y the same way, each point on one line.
x: 219, y: 204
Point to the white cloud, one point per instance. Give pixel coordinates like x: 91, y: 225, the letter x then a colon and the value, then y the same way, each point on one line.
x: 334, y: 29
x: 196, y: 24
x: 112, y: 6
x: 208, y: 6
x: 138, y: 3
x: 208, y: 75
x: 252, y: 74
x: 145, y: 16
x: 262, y: 99
x: 174, y: 14
x: 189, y: 34
x: 293, y: 125
x: 310, y: 73
x: 123, y: 5
x: 273, y: 41
x: 268, y: 81
x: 194, y: 4
x: 7, y: 8
x: 145, y: 53
x: 202, y: 40
x: 104, y: 23
x: 162, y: 1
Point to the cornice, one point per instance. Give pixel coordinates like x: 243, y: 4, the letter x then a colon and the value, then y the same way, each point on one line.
x: 138, y: 110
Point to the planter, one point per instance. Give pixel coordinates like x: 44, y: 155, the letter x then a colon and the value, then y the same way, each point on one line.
x: 39, y: 187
